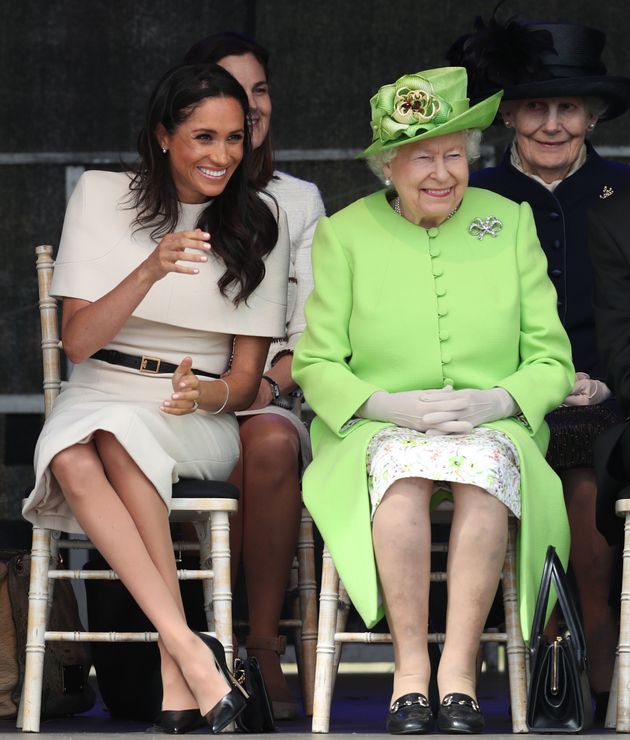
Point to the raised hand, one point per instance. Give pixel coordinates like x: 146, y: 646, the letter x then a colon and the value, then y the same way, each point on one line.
x: 171, y: 251
x: 186, y: 391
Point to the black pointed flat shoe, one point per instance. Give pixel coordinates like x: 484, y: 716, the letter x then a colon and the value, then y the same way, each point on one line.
x: 460, y: 715
x: 227, y: 709
x: 177, y: 722
x: 410, y: 714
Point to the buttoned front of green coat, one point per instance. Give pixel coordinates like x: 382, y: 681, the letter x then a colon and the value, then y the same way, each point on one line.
x: 398, y: 307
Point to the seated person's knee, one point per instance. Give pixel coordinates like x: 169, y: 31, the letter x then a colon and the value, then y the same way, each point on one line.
x: 72, y: 468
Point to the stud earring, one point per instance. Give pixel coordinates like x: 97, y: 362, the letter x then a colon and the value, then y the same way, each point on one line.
x: 508, y: 124
x: 164, y: 150
x: 591, y: 126
x: 388, y: 182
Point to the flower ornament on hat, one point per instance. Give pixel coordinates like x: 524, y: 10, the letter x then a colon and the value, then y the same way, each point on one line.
x: 424, y: 105
x: 407, y: 106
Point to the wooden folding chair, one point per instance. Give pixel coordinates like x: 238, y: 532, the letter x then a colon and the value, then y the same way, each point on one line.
x: 333, y: 612
x: 206, y: 504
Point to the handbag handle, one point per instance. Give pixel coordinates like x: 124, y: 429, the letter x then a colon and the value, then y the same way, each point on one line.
x: 553, y: 571
x: 538, y: 623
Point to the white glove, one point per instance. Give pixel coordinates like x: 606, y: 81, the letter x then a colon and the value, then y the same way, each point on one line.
x: 587, y: 391
x: 409, y: 409
x: 478, y: 407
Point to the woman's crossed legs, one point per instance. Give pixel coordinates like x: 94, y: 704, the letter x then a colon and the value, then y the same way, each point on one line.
x: 125, y: 518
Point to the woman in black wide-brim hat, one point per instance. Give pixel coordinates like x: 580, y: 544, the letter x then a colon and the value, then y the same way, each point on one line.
x: 556, y: 91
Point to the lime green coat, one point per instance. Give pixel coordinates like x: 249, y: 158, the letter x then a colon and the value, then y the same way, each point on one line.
x: 397, y: 307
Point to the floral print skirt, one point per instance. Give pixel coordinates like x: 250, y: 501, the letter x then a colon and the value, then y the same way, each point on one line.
x: 486, y: 458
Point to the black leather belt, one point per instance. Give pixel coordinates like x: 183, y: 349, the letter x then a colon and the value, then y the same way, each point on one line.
x: 145, y: 364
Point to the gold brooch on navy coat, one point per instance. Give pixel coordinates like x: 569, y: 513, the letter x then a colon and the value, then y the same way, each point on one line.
x: 607, y: 191
x: 481, y: 227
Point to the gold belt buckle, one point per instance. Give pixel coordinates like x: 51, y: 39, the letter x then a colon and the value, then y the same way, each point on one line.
x: 146, y: 368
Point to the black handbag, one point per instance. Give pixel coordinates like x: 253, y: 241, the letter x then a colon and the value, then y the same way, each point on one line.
x: 559, y: 698
x: 258, y: 714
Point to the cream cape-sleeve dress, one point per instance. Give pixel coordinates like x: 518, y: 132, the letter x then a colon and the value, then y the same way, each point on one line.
x: 181, y: 315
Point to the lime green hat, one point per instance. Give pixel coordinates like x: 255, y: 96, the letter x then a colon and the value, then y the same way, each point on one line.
x: 424, y: 105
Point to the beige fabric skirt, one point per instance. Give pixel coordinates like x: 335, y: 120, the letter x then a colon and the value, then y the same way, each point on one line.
x: 127, y: 404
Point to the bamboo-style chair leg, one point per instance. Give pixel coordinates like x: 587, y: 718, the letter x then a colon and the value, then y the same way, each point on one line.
x: 622, y: 508
x: 202, y: 530
x: 221, y: 587
x: 30, y: 705
x: 343, y: 611
x: 611, y: 710
x: 293, y: 590
x: 307, y: 589
x: 328, y: 603
x: 516, y: 652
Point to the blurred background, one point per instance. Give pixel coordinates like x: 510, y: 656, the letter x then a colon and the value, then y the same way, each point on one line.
x: 74, y: 79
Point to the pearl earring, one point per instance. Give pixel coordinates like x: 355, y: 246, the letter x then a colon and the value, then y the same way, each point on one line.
x: 388, y: 182
x: 164, y: 150
x: 591, y: 126
x: 508, y: 124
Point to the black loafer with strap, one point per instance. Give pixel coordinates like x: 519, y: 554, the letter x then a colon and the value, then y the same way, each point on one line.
x: 410, y: 714
x: 460, y: 715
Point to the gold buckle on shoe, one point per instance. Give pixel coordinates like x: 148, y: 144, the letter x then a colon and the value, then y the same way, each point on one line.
x: 146, y: 368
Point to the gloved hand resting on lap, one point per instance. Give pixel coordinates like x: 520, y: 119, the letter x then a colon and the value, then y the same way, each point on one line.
x: 410, y: 409
x: 477, y: 406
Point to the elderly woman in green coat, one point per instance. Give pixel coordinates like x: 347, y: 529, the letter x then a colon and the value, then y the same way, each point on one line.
x: 433, y: 351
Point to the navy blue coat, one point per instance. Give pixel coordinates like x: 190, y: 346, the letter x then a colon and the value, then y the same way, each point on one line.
x: 609, y: 225
x: 561, y: 222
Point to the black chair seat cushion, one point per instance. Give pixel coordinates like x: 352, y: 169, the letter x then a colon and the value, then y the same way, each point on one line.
x: 193, y: 488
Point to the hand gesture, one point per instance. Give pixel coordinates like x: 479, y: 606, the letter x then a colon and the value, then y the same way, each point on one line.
x: 587, y: 391
x: 186, y: 391
x: 171, y: 250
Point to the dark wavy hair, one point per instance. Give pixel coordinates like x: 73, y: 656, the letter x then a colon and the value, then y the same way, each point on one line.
x: 243, y: 229
x: 214, y: 48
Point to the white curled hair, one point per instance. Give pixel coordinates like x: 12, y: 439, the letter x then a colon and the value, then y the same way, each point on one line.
x: 377, y: 161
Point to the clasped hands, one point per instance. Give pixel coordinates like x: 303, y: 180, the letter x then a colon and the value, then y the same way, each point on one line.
x: 439, y: 411
x: 587, y: 391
